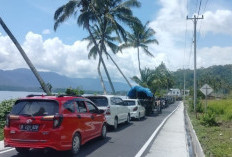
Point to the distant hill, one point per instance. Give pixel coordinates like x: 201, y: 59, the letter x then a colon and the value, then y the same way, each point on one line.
x: 23, y: 79
x: 219, y: 77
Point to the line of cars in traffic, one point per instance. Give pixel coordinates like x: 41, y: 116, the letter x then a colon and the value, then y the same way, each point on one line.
x: 66, y: 122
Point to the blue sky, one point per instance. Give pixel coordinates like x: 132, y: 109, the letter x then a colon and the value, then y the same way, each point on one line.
x: 37, y: 15
x: 31, y: 21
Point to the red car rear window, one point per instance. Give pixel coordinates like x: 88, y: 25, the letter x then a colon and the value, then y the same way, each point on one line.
x: 35, y: 107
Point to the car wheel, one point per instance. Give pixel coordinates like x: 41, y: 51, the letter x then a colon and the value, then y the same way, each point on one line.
x: 128, y: 119
x: 22, y: 150
x: 76, y: 143
x: 115, y: 124
x: 104, y: 131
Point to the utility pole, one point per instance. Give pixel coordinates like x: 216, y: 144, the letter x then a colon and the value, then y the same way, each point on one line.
x: 195, y: 62
x: 184, y: 85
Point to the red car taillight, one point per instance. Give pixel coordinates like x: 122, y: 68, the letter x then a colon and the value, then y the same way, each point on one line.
x: 108, y: 111
x: 9, y: 118
x: 57, y: 120
x: 135, y: 109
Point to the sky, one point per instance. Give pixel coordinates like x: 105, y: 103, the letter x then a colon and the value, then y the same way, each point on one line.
x: 64, y: 52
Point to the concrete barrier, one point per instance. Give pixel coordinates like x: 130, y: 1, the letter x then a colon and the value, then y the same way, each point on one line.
x: 193, y: 142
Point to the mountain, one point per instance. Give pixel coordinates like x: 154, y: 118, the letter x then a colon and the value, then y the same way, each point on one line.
x: 219, y: 77
x: 23, y: 79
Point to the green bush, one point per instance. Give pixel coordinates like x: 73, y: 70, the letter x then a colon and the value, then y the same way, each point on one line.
x: 5, y: 108
x: 77, y: 91
x: 208, y: 119
x: 199, y: 107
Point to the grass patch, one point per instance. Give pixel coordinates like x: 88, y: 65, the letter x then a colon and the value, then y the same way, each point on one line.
x: 222, y: 108
x: 216, y: 140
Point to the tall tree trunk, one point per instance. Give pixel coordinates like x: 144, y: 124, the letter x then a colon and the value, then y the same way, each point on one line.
x: 139, y: 62
x: 100, y: 75
x: 29, y: 63
x: 118, y: 68
x: 100, y: 56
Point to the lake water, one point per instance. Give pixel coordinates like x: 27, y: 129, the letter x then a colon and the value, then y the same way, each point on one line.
x: 5, y: 95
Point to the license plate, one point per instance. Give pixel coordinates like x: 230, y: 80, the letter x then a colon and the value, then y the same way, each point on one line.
x: 29, y: 127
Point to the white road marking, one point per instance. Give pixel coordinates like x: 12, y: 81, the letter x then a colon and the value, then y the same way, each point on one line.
x: 142, y: 150
x: 8, y: 150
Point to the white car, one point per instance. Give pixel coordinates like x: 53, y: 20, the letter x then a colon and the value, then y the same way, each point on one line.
x: 115, y: 111
x: 136, y: 109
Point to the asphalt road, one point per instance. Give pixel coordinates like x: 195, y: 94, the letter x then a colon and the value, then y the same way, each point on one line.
x: 125, y: 142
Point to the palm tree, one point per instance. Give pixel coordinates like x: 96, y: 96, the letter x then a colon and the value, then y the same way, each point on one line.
x: 110, y: 13
x: 141, y: 36
x: 108, y: 41
x: 87, y: 11
x: 92, y: 11
x: 28, y: 61
x: 146, y: 78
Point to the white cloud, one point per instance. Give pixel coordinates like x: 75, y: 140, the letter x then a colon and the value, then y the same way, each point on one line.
x: 70, y: 60
x: 214, y: 56
x: 46, y: 32
x: 219, y: 21
x: 170, y: 25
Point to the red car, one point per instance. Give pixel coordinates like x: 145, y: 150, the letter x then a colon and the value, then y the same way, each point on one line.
x: 57, y: 122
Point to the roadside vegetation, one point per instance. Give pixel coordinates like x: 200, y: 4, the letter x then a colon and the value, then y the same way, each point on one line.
x: 213, y: 127
x: 5, y: 108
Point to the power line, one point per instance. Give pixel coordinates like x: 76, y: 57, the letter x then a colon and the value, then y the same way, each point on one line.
x: 199, y: 8
x: 196, y: 6
x: 201, y: 21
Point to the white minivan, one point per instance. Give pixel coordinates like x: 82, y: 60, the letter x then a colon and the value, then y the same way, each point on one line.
x: 115, y: 111
x: 136, y: 109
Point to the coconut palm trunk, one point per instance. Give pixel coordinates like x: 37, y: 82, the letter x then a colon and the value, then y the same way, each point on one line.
x: 118, y: 68
x: 139, y: 61
x: 29, y: 63
x: 100, y: 56
x: 100, y: 75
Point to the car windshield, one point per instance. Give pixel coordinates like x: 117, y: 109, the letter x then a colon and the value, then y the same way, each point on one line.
x: 99, y: 101
x: 35, y: 108
x: 130, y: 103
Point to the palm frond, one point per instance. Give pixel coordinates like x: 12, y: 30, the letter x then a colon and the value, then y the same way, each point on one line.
x: 132, y: 3
x: 64, y: 12
x: 147, y: 52
x: 151, y: 41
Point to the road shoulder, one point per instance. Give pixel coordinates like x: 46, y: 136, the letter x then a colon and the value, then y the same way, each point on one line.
x: 171, y: 140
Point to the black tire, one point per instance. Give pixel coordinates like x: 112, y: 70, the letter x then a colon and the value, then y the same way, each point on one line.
x: 115, y: 123
x: 22, y: 151
x: 104, y: 131
x: 76, y: 144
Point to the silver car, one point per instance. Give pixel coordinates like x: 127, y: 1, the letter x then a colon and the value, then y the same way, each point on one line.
x: 136, y: 109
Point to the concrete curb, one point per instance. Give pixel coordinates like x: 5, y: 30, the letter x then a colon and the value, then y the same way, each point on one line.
x: 195, y: 144
x: 1, y: 145
x: 4, y: 149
